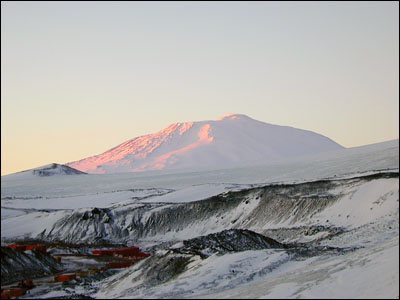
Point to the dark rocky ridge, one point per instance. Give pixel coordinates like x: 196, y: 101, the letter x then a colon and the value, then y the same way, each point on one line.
x: 251, y: 209
x: 16, y: 265
x: 233, y: 240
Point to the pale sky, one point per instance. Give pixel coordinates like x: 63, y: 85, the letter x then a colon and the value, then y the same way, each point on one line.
x: 78, y: 78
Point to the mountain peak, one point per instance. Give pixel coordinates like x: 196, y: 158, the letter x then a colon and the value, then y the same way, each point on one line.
x: 55, y: 169
x: 46, y: 170
x: 230, y: 116
x: 208, y: 144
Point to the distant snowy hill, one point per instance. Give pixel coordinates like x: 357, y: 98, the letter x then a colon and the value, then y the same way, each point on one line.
x: 232, y: 139
x: 47, y: 170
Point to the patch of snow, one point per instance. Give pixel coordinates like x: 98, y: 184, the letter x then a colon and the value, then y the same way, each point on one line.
x: 364, y: 273
x: 189, y: 194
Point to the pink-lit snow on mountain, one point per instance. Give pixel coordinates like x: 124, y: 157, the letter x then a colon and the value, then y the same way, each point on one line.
x: 231, y: 139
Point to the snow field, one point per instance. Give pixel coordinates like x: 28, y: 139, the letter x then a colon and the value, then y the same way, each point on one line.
x: 367, y: 211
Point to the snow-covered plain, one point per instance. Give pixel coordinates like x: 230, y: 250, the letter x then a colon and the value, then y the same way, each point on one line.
x: 381, y: 156
x: 354, y: 214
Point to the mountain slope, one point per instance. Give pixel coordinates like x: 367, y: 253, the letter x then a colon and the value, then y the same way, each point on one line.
x: 44, y: 171
x: 56, y: 169
x: 232, y: 139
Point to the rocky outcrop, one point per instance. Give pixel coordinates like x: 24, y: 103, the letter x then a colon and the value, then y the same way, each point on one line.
x: 16, y: 265
x: 233, y: 240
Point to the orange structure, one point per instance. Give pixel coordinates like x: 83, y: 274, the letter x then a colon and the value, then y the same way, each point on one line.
x: 126, y: 252
x: 64, y: 277
x: 18, y: 247
x: 17, y: 292
x: 42, y: 248
x: 131, y: 252
x: 8, y: 294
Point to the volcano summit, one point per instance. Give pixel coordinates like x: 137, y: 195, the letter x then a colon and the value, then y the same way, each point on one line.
x: 230, y: 140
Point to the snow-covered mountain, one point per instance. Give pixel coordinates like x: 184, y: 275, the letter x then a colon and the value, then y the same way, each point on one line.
x: 232, y: 139
x: 46, y: 170
x: 56, y: 169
